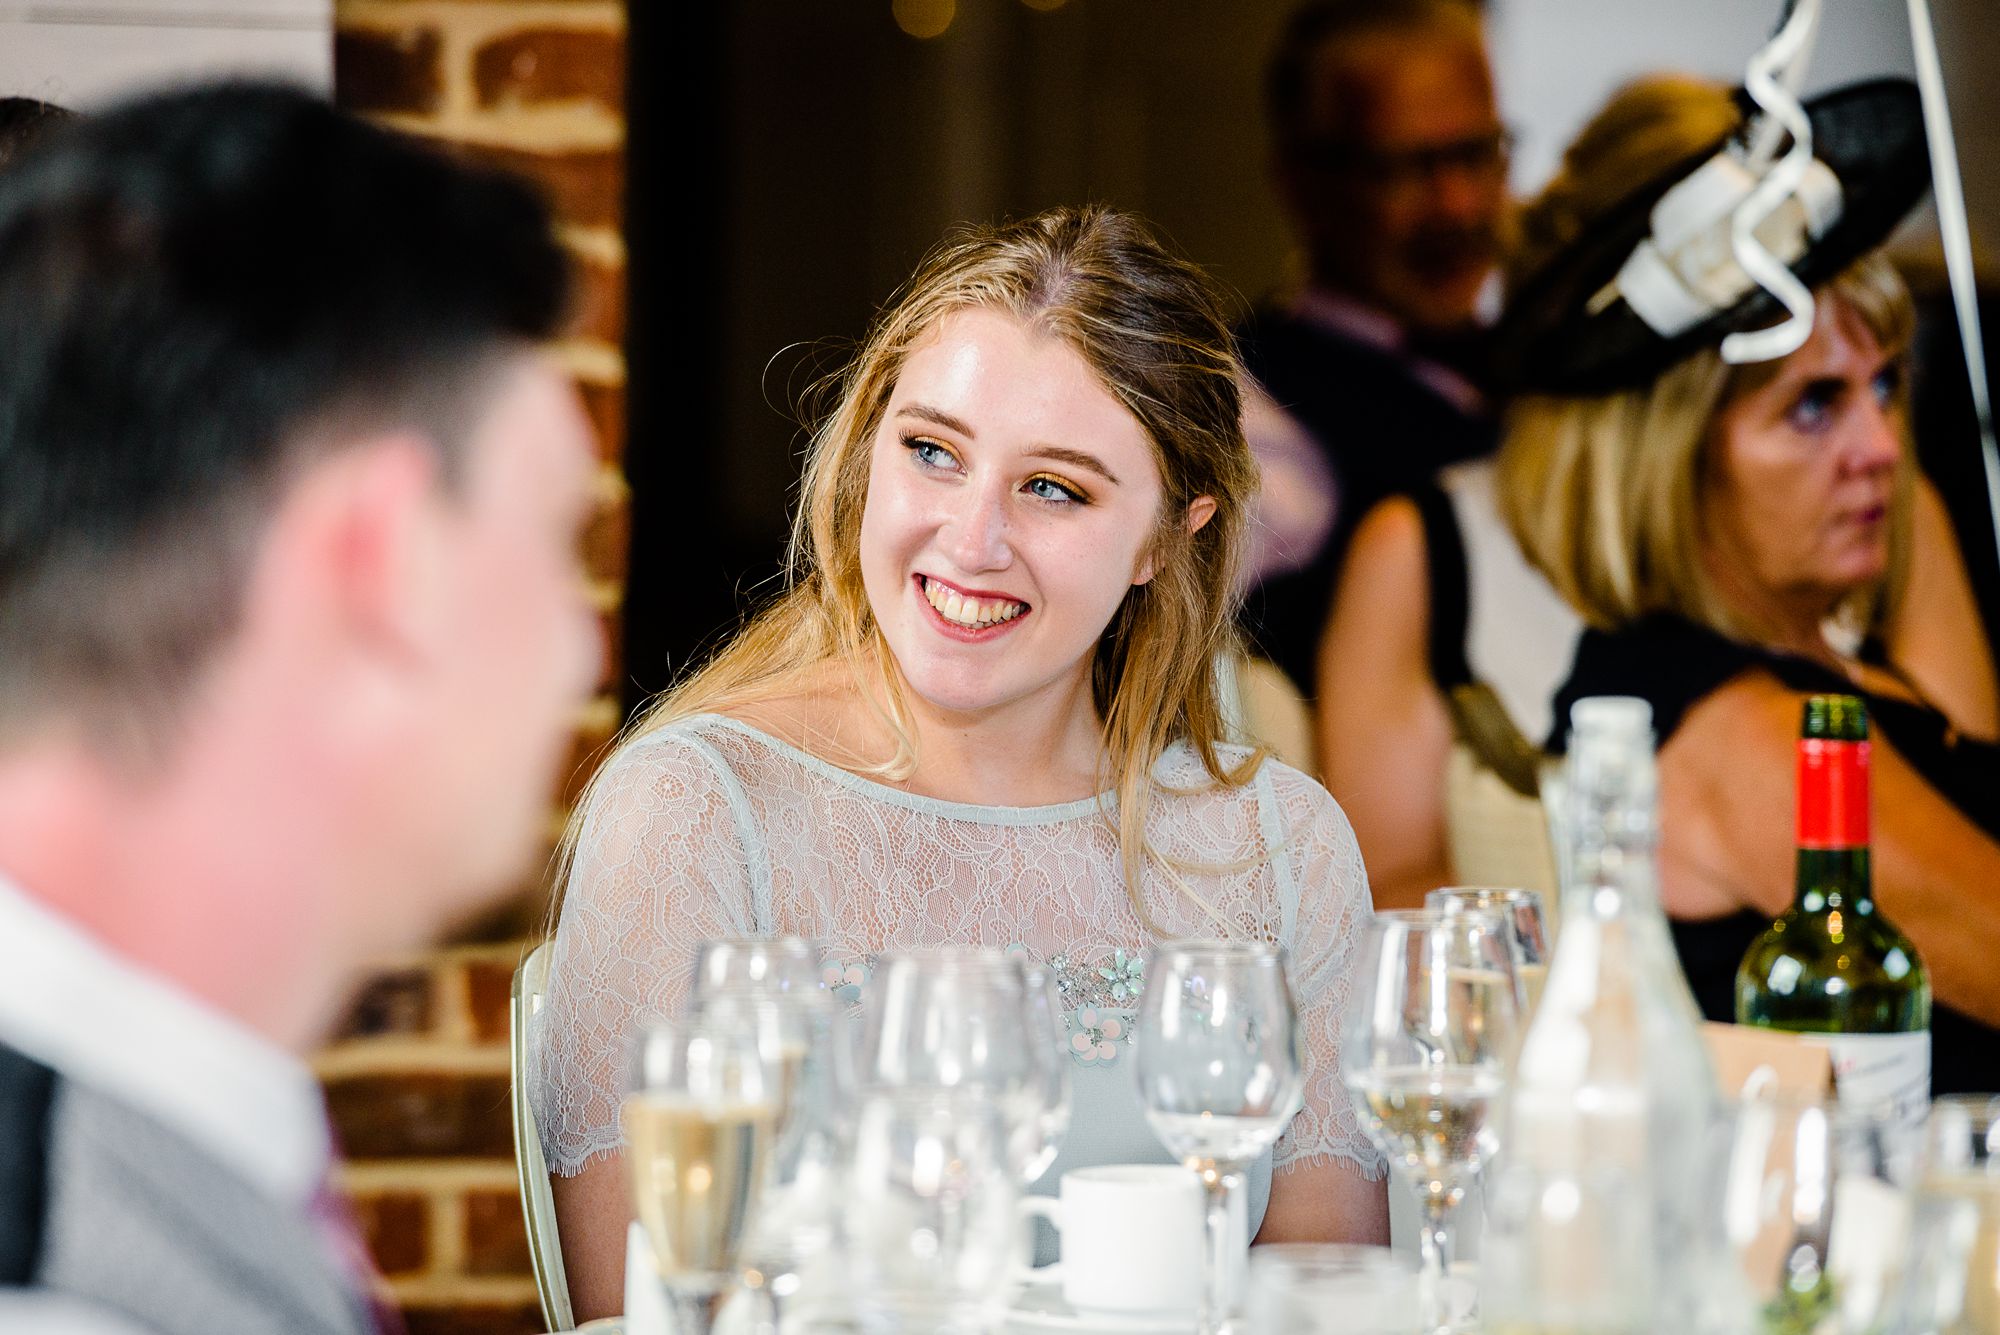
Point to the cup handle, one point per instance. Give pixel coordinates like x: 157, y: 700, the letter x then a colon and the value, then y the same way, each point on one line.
x: 1038, y: 1207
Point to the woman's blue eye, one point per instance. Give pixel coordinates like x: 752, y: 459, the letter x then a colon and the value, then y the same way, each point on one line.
x: 1887, y: 382
x: 1812, y: 411
x: 929, y: 452
x: 1050, y: 489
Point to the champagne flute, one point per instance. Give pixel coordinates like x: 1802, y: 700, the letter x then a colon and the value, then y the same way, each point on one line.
x: 802, y: 1038
x: 1426, y: 1041
x: 972, y: 1020
x: 700, y: 1121
x: 1217, y: 1055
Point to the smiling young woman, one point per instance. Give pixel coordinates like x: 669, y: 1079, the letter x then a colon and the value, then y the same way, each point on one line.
x: 983, y: 713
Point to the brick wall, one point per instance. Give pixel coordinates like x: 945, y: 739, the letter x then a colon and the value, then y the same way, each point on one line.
x: 417, y: 1082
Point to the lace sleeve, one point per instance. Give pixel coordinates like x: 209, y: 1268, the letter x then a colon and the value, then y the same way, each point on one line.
x: 1331, y: 885
x: 660, y: 865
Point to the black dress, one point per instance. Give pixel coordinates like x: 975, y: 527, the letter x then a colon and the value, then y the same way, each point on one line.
x: 1674, y: 664
x: 1382, y: 430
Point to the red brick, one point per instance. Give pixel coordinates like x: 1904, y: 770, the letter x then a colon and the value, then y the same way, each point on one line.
x: 496, y: 1241
x: 584, y: 187
x: 422, y: 1116
x: 600, y: 306
x: 398, y: 1002
x: 606, y: 406
x: 607, y: 542
x: 376, y: 70
x: 475, y: 1319
x: 489, y: 987
x: 551, y: 65
x: 397, y: 1227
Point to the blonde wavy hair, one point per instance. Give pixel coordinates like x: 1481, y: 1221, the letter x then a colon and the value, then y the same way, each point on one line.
x: 1154, y: 329
x: 1604, y: 493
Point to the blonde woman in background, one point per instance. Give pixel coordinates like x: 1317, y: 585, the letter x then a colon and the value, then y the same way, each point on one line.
x: 982, y: 714
x: 1437, y: 595
x: 1740, y: 536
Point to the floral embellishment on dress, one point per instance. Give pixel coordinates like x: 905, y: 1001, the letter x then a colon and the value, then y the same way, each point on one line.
x: 845, y: 980
x: 1095, y: 1036
x: 1125, y: 974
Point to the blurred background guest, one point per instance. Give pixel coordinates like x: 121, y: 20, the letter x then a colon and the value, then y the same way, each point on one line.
x: 1740, y: 536
x: 1390, y: 159
x: 291, y: 632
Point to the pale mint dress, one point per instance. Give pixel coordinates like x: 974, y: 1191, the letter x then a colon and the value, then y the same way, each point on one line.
x: 710, y: 828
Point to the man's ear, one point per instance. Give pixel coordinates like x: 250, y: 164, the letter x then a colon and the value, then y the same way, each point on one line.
x: 1200, y: 510
x: 375, y: 511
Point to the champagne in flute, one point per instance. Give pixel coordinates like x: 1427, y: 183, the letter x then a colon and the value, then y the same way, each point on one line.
x: 699, y: 1125
x: 695, y: 1169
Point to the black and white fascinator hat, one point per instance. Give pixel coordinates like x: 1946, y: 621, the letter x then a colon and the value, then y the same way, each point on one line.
x: 1725, y: 248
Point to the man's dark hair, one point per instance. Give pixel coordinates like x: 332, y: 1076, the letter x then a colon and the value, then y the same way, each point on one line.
x: 1288, y: 75
x: 23, y: 120
x: 198, y: 292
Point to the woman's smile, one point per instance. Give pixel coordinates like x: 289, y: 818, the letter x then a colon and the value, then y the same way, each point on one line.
x: 970, y: 615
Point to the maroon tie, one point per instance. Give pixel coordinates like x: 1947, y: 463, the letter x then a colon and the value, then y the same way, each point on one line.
x: 332, y: 1215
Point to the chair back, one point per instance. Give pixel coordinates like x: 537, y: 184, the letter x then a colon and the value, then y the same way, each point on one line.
x: 538, y: 1205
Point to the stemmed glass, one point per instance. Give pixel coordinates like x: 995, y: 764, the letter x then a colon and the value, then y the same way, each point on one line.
x: 1520, y: 914
x: 1217, y: 1054
x: 1953, y: 1284
x: 931, y: 1210
x: 1426, y: 1041
x: 1816, y: 1207
x: 803, y: 1041
x: 700, y: 1122
x: 973, y: 1020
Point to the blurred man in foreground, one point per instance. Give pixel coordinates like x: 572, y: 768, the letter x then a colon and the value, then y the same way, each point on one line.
x: 1391, y: 160
x: 290, y: 637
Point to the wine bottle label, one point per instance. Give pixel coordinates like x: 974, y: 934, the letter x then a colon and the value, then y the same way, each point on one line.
x: 1833, y: 794
x: 1874, y: 1071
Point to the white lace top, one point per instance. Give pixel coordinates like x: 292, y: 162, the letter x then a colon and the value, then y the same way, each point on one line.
x: 709, y: 828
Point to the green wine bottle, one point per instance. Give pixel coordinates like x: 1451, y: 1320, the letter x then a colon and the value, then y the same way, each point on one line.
x: 1832, y: 967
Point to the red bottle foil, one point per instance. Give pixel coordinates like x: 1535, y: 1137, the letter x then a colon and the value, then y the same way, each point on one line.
x: 1833, y: 794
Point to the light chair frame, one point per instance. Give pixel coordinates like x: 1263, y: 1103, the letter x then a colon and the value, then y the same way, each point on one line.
x: 538, y: 1208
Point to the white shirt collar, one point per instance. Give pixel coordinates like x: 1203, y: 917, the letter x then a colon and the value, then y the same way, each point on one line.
x: 74, y: 1006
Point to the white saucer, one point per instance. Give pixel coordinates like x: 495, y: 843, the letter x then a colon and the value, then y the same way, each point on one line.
x: 1043, y: 1308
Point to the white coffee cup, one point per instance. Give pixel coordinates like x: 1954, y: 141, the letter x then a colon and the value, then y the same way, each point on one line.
x: 1133, y: 1239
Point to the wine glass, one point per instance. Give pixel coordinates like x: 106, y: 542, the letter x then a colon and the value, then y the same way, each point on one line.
x: 1217, y: 1058
x: 931, y: 1216
x: 1817, y: 1208
x: 1953, y: 1284
x: 1426, y: 1041
x: 975, y: 1020
x: 803, y: 1040
x: 1520, y: 913
x: 781, y: 965
x: 700, y: 1121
